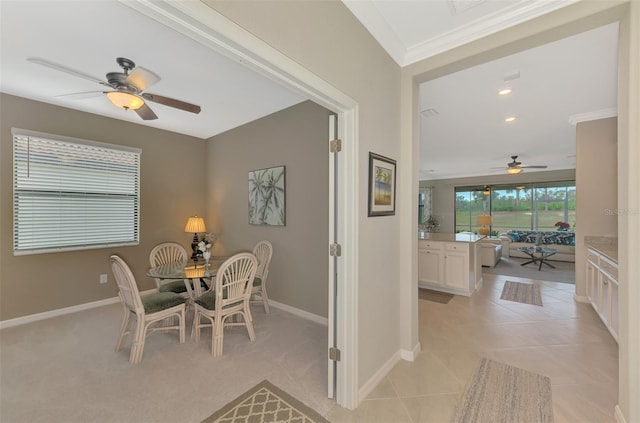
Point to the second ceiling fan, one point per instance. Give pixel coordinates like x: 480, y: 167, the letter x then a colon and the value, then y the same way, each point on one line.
x: 515, y: 167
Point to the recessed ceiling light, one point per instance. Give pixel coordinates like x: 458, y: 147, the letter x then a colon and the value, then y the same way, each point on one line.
x: 505, y: 91
x: 510, y: 119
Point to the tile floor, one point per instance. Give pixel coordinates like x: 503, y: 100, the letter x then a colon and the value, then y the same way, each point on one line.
x: 563, y: 339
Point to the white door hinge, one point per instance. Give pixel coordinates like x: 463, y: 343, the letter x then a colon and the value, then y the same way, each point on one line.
x: 335, y: 146
x: 334, y: 354
x: 335, y: 250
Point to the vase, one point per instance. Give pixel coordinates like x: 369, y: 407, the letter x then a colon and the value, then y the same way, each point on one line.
x: 207, y: 256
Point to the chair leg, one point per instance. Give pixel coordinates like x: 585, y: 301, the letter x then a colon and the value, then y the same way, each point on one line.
x: 249, y: 325
x: 217, y: 333
x: 181, y: 318
x: 124, y: 329
x: 137, y: 346
x: 195, y: 329
x: 265, y: 299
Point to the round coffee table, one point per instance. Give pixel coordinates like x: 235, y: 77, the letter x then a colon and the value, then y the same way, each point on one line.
x: 538, y: 255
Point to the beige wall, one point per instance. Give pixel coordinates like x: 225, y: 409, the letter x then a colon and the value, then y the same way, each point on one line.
x: 296, y: 138
x: 324, y: 37
x: 170, y: 190
x: 596, y: 187
x: 443, y: 200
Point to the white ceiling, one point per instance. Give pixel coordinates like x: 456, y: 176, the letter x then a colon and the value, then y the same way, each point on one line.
x: 87, y: 36
x: 575, y: 77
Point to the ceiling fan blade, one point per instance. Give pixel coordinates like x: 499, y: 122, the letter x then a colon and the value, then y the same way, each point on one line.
x: 534, y: 167
x: 65, y: 69
x: 172, y: 102
x: 146, y: 113
x: 142, y: 78
x: 80, y: 96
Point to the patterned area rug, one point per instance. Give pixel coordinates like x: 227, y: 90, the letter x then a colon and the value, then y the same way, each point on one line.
x: 526, y: 293
x: 265, y: 403
x: 435, y: 296
x: 502, y: 393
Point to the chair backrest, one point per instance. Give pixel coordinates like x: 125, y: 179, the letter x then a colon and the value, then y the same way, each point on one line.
x: 167, y: 252
x: 263, y: 252
x: 129, y: 294
x: 234, y: 279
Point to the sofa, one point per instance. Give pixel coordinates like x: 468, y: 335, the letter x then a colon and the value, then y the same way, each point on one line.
x: 563, y: 241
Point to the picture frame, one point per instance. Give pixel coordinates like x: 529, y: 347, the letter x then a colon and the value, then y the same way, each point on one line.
x: 267, y: 196
x: 382, y: 185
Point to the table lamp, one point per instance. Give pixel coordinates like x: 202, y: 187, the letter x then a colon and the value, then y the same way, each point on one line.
x: 195, y: 225
x: 484, y: 221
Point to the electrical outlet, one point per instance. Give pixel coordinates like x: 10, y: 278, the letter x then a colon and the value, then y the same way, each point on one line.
x: 103, y: 278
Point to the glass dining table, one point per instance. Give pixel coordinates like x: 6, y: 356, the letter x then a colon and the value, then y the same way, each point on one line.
x: 190, y: 272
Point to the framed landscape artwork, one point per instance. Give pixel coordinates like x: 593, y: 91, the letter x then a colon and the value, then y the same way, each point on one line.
x: 382, y: 185
x: 267, y: 196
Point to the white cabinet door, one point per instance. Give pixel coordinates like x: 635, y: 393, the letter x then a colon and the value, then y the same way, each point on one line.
x: 456, y: 270
x: 429, y: 266
x: 592, y: 280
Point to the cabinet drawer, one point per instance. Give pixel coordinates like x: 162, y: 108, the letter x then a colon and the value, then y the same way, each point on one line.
x: 610, y: 268
x: 456, y: 246
x: 430, y: 245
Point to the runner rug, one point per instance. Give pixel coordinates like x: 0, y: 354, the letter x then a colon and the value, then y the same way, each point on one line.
x: 502, y: 393
x: 435, y: 296
x: 265, y: 403
x: 526, y: 293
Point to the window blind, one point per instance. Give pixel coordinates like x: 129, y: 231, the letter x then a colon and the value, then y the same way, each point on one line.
x: 71, y: 194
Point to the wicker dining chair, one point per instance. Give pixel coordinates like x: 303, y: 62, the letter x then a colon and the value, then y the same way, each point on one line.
x: 263, y: 252
x: 169, y: 252
x: 153, y: 308
x: 228, y: 297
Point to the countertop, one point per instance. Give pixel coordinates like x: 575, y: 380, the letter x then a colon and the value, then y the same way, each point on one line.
x: 448, y: 237
x: 605, y: 245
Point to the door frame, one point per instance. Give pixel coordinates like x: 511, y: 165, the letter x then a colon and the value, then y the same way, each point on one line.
x: 211, y: 29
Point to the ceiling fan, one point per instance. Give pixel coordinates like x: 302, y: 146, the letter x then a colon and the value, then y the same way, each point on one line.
x: 515, y: 167
x: 127, y: 88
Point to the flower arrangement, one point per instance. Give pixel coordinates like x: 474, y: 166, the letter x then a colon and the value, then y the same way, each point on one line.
x: 207, y: 241
x: 562, y: 226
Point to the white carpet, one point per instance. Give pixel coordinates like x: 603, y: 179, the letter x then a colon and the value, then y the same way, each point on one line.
x: 511, y: 266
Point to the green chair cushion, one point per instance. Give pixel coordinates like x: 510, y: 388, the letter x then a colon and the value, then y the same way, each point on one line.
x: 257, y: 281
x: 161, y: 301
x: 175, y: 286
x: 208, y: 300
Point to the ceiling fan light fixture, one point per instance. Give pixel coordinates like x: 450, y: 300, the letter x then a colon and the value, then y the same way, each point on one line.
x: 514, y: 170
x: 125, y: 100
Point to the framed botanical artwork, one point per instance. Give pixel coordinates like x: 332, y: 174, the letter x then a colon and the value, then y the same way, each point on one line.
x: 267, y: 196
x: 382, y: 185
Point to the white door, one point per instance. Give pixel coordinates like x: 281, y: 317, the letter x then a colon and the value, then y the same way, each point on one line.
x: 334, y: 252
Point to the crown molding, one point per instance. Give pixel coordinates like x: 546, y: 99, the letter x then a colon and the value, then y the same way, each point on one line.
x: 487, y: 25
x: 588, y: 116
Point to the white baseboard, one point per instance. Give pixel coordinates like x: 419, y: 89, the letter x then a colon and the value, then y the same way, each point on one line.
x: 300, y: 313
x: 378, y: 376
x: 618, y: 415
x: 55, y: 313
x: 581, y: 299
x: 87, y: 306
x: 410, y: 355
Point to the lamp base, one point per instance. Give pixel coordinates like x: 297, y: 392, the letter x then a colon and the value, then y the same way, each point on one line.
x: 194, y: 248
x: 484, y: 231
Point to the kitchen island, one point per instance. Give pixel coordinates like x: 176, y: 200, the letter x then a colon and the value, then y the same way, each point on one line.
x: 449, y: 262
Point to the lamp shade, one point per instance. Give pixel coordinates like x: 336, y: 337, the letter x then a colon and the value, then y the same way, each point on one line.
x: 195, y: 224
x: 484, y: 220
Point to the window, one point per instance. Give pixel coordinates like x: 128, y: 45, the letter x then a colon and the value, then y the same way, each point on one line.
x: 531, y: 206
x: 71, y: 194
